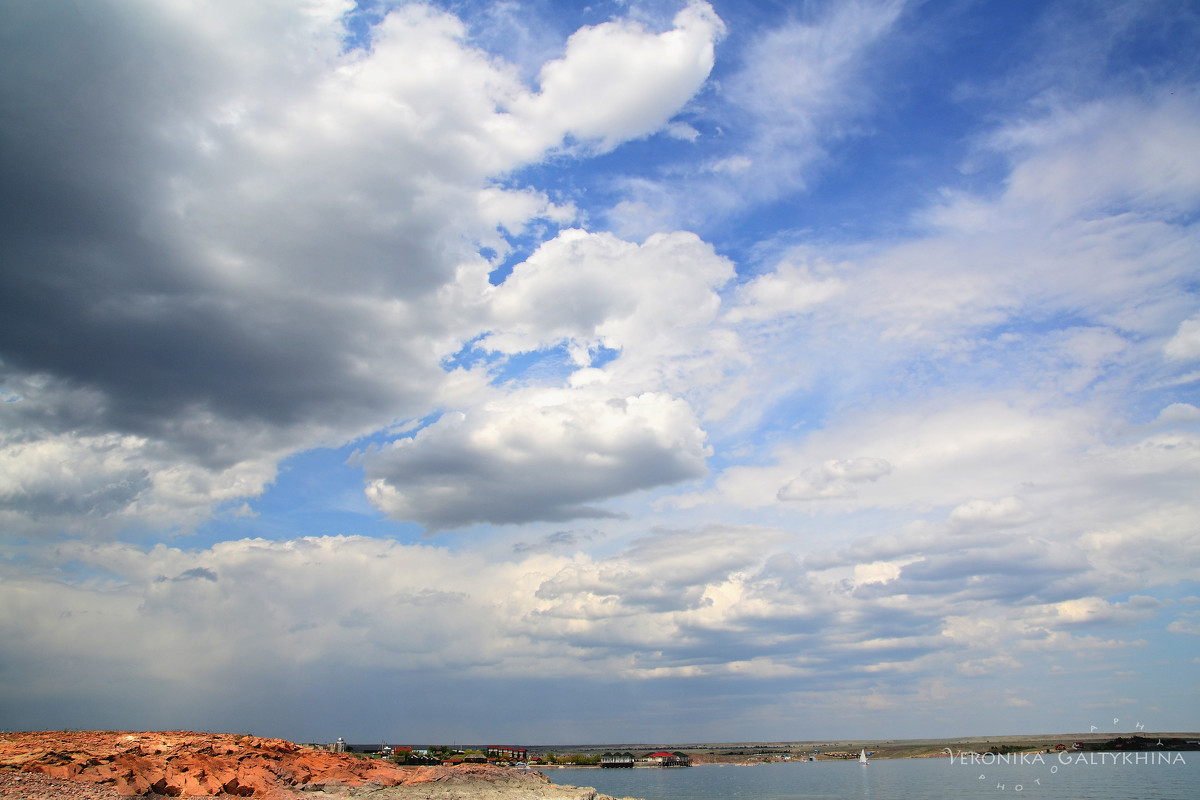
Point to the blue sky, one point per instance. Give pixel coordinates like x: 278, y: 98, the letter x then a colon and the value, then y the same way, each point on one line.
x: 540, y: 372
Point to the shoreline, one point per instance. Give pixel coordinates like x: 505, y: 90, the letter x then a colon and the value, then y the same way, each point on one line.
x: 206, y: 764
x: 751, y: 753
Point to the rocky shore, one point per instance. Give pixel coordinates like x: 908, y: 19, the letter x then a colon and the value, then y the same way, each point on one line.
x: 108, y: 765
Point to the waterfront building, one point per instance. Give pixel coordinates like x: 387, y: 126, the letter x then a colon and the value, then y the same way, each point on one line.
x: 617, y: 760
x: 505, y: 753
x: 665, y: 759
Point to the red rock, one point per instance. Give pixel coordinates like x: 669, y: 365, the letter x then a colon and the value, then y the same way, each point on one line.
x: 99, y: 773
x: 61, y: 771
x: 234, y: 786
x: 178, y: 762
x: 132, y: 785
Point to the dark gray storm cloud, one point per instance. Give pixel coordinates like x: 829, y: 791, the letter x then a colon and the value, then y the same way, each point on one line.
x: 102, y: 285
x: 189, y: 280
x: 109, y: 277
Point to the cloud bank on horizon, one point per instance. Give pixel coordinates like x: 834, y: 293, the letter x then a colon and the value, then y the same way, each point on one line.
x: 628, y: 371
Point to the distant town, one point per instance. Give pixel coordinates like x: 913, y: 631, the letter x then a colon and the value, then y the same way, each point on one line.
x: 504, y: 755
x: 672, y: 756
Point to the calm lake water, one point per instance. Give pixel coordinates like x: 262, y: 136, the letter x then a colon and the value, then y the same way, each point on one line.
x: 900, y: 779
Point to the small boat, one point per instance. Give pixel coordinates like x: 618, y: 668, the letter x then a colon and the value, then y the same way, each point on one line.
x: 862, y: 757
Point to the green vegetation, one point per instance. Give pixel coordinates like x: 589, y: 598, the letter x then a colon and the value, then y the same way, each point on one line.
x: 582, y: 760
x: 576, y: 759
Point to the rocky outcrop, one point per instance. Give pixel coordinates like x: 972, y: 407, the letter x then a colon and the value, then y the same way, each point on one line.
x: 481, y: 782
x: 91, y: 765
x: 184, y: 764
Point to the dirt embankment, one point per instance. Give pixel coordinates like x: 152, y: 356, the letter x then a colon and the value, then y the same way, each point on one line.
x: 104, y: 765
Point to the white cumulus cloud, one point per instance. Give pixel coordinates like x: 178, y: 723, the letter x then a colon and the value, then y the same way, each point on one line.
x: 536, y: 455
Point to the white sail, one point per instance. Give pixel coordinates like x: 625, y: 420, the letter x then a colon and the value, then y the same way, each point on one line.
x: 862, y: 757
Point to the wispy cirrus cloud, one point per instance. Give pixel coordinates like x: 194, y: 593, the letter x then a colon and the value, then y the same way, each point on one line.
x: 798, y: 89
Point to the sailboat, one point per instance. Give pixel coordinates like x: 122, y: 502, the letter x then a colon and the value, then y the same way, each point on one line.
x: 862, y: 757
